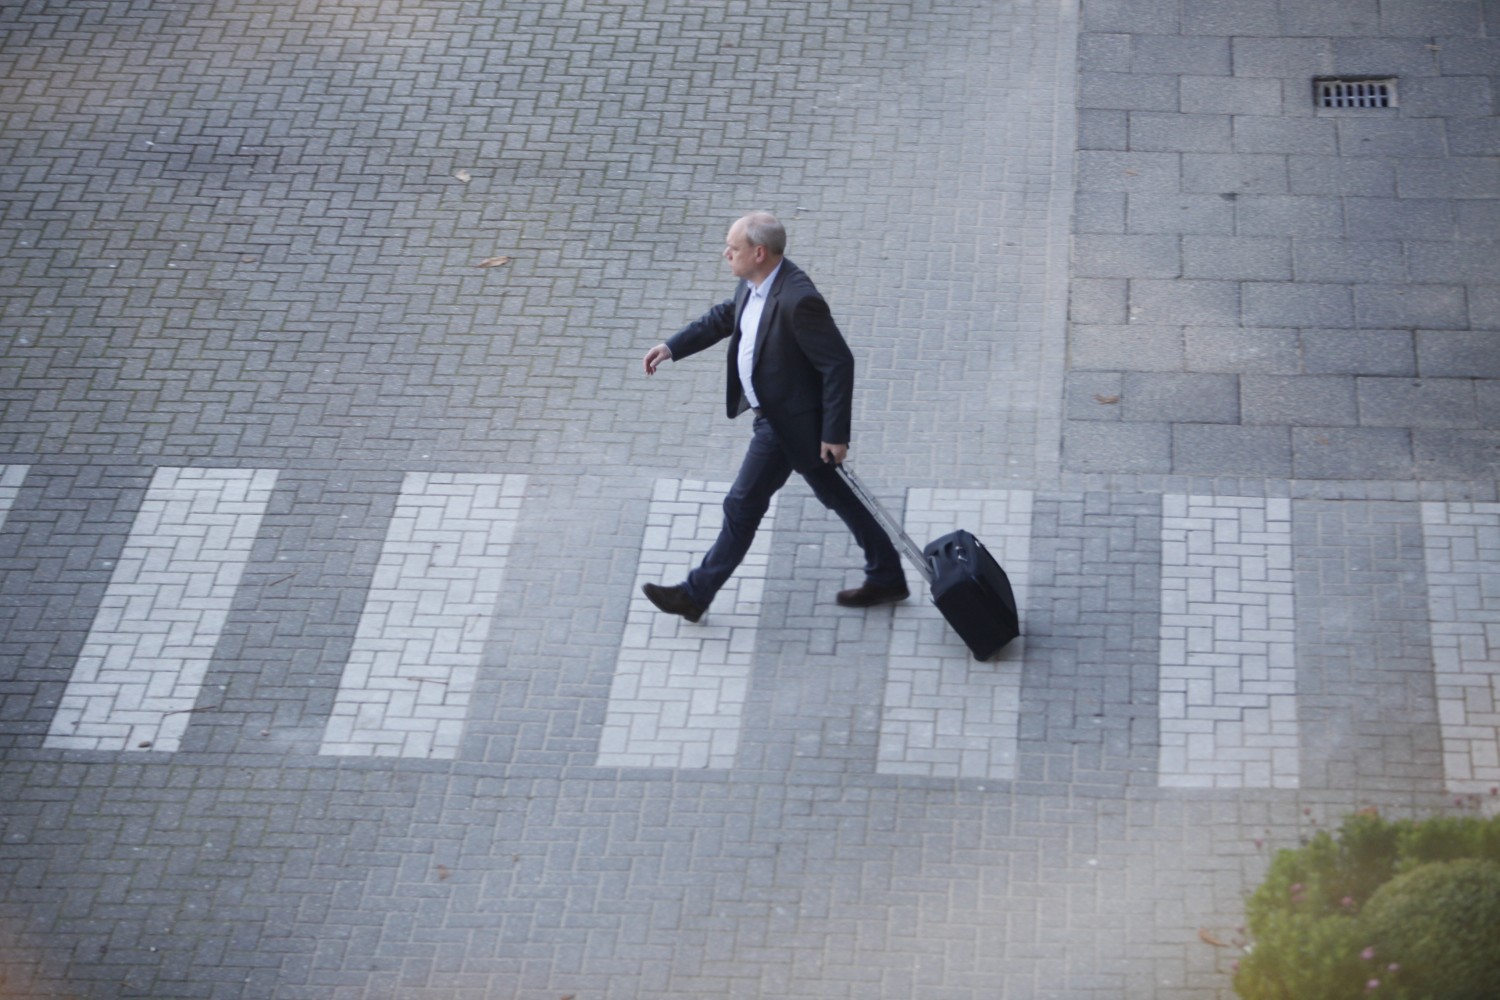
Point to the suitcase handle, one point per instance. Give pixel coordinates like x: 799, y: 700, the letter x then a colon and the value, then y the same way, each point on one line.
x: 892, y: 527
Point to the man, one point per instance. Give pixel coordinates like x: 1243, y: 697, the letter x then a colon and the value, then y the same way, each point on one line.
x: 790, y: 366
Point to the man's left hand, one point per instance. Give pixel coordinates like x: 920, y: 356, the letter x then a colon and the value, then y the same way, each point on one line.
x: 834, y: 453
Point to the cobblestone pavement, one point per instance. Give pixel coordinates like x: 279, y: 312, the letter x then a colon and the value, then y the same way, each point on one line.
x: 328, y: 477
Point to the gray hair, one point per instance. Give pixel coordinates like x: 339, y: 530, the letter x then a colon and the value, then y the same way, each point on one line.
x: 763, y: 230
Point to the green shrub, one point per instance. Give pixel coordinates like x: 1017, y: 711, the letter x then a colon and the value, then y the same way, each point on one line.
x: 1299, y: 956
x: 1318, y: 933
x: 1441, y: 922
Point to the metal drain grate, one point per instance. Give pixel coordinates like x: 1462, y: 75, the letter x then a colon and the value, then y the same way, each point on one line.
x: 1355, y: 92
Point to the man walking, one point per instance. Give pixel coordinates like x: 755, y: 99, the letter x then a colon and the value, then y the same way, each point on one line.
x: 789, y: 365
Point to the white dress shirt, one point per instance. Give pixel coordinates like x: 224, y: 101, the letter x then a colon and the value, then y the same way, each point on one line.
x: 755, y: 305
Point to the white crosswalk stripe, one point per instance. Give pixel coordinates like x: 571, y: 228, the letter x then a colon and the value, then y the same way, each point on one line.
x: 1228, y: 701
x: 1462, y: 545
x: 142, y: 666
x: 406, y: 687
x: 679, y: 688
x: 945, y: 715
x: 11, y: 478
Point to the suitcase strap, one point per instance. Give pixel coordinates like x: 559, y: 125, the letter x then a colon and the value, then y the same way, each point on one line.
x: 892, y: 527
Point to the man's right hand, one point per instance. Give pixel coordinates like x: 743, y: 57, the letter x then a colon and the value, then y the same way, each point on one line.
x: 656, y: 356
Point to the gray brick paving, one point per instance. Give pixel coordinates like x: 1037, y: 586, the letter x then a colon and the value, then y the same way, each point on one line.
x: 1092, y: 262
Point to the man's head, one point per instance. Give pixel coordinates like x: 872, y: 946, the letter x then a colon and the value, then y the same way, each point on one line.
x: 754, y: 246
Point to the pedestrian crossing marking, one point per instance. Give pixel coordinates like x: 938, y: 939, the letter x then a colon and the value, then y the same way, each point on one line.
x: 1227, y: 707
x: 944, y: 714
x: 1462, y: 546
x: 406, y: 687
x: 679, y: 688
x: 1228, y: 696
x: 11, y: 478
x: 142, y: 666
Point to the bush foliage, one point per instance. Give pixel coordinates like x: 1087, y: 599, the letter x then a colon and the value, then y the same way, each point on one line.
x: 1406, y: 910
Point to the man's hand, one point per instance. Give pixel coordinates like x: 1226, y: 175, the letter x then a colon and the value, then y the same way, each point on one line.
x: 656, y: 356
x: 834, y: 453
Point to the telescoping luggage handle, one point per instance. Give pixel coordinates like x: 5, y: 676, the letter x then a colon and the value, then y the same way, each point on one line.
x: 892, y: 526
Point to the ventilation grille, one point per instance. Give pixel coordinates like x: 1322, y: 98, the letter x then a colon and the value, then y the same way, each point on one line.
x: 1355, y: 92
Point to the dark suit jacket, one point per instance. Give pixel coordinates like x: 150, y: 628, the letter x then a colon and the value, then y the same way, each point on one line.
x: 804, y: 371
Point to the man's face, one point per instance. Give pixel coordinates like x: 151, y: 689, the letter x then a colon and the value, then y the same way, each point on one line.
x: 744, y: 259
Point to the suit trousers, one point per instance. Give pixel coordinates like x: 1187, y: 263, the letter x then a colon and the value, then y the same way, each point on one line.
x: 765, y: 470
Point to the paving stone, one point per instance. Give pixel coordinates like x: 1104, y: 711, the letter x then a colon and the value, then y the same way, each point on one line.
x: 1236, y: 173
x: 1243, y: 351
x: 1134, y: 348
x: 1099, y: 212
x: 1255, y: 17
x: 1324, y: 401
x: 943, y: 714
x: 1402, y: 137
x: 1102, y: 129
x: 1101, y: 256
x: 1294, y: 215
x: 142, y: 667
x: 1127, y: 92
x: 1359, y: 352
x: 1198, y: 303
x: 1461, y: 55
x: 1371, y: 177
x: 1105, y: 52
x: 414, y: 662
x: 1093, y: 630
x: 1098, y: 301
x: 1370, y: 261
x: 280, y: 659
x: 1185, y: 398
x: 11, y: 478
x: 1246, y: 258
x: 1351, y: 453
x: 1228, y: 706
x: 1473, y: 136
x: 1173, y: 213
x: 1456, y: 455
x: 1361, y: 627
x: 1297, y: 304
x: 1093, y: 396
x: 1153, y: 16
x: 1461, y: 543
x: 1458, y: 18
x: 1123, y: 447
x: 1470, y: 263
x: 1231, y: 449
x: 1283, y: 55
x: 1484, y: 307
x: 1106, y: 170
x: 1382, y: 218
x: 680, y: 687
x: 1255, y: 134
x: 1458, y: 354
x: 1426, y: 402
x: 1218, y: 95
x: 1415, y: 306
x: 1487, y: 394
x: 1183, y: 55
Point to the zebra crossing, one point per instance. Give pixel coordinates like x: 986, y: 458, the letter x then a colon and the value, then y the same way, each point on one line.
x: 405, y: 691
x: 142, y: 666
x: 1227, y: 704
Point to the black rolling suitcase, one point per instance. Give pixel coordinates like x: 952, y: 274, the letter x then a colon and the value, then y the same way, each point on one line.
x: 968, y: 585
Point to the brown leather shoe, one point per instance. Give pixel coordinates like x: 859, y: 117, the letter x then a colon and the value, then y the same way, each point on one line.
x: 672, y: 600
x: 867, y: 596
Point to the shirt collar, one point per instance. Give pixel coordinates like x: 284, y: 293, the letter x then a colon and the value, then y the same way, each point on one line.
x: 764, y: 287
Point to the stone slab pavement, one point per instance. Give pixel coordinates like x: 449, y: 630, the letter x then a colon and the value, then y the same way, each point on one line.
x: 328, y: 476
